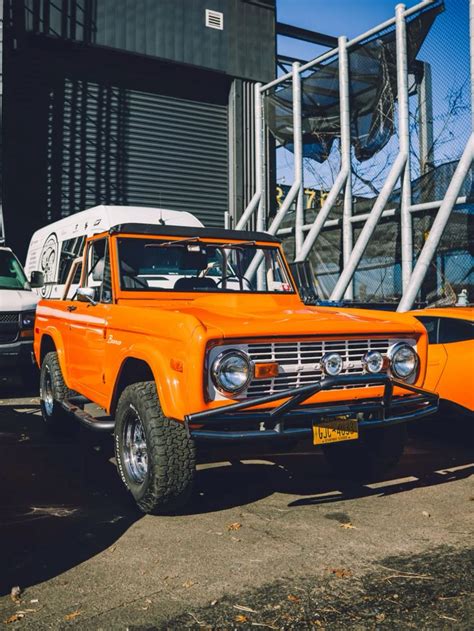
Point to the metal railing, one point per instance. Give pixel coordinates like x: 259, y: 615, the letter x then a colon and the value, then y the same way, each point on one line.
x: 306, y: 234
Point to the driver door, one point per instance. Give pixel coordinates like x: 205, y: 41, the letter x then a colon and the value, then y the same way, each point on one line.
x: 88, y: 323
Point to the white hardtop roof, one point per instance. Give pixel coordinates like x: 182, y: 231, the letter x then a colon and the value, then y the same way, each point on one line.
x: 101, y: 218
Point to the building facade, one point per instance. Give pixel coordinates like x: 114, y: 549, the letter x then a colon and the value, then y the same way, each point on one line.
x: 135, y: 102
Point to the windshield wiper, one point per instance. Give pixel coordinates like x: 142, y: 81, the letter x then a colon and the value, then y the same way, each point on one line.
x: 162, y: 244
x: 229, y: 246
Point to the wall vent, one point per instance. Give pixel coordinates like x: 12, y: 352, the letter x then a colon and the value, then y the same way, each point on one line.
x: 215, y: 19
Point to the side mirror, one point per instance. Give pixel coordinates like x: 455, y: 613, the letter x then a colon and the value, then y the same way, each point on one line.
x: 37, y: 279
x: 86, y: 294
x: 304, y: 278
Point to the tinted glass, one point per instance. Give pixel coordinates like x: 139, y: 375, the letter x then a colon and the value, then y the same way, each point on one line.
x: 455, y: 330
x: 195, y: 265
x: 431, y: 325
x: 12, y: 275
x: 98, y: 270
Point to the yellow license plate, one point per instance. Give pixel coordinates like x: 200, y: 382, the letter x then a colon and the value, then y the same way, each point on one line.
x: 334, y: 430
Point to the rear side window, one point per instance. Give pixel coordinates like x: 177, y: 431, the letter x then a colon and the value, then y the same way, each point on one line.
x: 431, y: 325
x: 455, y: 330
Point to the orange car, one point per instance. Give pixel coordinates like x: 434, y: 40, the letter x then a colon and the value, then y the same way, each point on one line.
x: 185, y: 334
x: 450, y: 370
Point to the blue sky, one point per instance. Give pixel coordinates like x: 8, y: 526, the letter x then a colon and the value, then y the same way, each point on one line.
x: 446, y: 48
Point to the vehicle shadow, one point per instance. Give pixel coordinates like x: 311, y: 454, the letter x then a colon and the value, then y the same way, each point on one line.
x: 61, y: 501
x: 432, y: 457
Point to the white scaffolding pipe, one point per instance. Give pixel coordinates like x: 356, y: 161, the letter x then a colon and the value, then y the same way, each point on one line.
x: 369, y: 227
x: 322, y: 215
x: 347, y: 241
x: 344, y: 174
x: 298, y: 156
x: 258, y: 140
x: 438, y: 227
x: 390, y: 212
x: 404, y: 143
x: 297, y: 187
x: 471, y: 35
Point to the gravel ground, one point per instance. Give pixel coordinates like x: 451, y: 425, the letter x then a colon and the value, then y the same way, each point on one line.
x: 269, y: 539
x: 427, y: 591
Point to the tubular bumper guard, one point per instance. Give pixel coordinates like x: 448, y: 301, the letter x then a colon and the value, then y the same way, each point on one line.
x: 292, y: 419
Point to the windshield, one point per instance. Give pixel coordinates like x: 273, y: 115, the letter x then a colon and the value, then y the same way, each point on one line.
x: 191, y: 264
x: 12, y: 275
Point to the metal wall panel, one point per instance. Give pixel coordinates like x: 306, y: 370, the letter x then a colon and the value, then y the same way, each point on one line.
x: 169, y: 29
x: 90, y: 126
x: 140, y: 148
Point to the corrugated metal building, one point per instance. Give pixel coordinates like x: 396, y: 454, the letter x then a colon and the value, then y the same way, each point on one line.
x: 143, y: 102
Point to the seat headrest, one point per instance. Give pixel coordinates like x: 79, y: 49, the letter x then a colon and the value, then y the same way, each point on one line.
x: 192, y: 260
x: 98, y: 271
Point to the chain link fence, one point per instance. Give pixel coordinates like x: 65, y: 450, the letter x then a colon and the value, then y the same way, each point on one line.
x: 440, y: 124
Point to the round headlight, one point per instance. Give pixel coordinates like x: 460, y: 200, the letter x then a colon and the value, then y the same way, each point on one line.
x: 231, y: 372
x: 373, y: 362
x: 332, y: 364
x: 403, y: 361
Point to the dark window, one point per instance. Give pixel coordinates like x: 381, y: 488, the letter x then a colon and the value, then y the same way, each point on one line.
x: 70, y: 249
x: 98, y: 270
x: 431, y: 325
x: 455, y: 330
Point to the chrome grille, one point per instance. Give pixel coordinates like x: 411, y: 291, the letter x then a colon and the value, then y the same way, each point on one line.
x: 300, y: 362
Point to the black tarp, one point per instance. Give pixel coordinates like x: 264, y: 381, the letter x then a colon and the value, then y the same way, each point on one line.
x: 372, y: 92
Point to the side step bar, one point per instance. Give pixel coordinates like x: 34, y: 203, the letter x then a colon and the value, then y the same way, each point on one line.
x: 101, y: 424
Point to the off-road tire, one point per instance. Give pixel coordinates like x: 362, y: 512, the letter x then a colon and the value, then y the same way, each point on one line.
x: 171, y: 457
x: 375, y: 452
x: 55, y: 417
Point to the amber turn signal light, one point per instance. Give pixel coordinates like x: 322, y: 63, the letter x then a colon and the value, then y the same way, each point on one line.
x: 176, y: 364
x: 266, y: 371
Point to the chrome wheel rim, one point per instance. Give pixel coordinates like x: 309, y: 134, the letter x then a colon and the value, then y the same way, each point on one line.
x: 47, y: 391
x: 135, y: 448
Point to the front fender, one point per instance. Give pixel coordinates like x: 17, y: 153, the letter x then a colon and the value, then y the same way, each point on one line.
x: 169, y: 382
x: 55, y: 335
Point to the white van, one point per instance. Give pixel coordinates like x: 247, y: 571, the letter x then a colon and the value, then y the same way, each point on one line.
x: 17, y: 315
x: 53, y: 248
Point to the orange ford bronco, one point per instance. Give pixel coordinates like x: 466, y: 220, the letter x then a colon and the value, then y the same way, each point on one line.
x: 185, y: 334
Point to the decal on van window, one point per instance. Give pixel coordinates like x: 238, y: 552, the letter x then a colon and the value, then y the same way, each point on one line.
x: 48, y: 258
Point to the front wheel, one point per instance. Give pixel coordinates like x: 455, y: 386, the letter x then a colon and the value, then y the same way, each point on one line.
x: 155, y: 457
x: 53, y: 390
x: 376, y: 451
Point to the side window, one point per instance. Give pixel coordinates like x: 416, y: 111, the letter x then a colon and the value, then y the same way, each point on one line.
x: 455, y: 330
x: 70, y: 250
x: 98, y: 270
x: 431, y: 325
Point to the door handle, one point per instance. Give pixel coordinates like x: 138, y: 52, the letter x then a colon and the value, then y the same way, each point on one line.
x: 71, y: 307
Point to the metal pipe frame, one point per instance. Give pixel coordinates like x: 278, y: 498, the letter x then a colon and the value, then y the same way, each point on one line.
x: 369, y: 227
x: 343, y: 177
x: 449, y: 201
x: 404, y: 145
x: 437, y: 229
x: 356, y: 40
x: 259, y: 162
x: 298, y: 156
x: 471, y: 35
x: 411, y: 280
x: 296, y: 190
x: 347, y: 234
x: 390, y: 212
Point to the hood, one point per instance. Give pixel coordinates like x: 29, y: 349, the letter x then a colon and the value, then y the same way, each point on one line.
x: 17, y: 300
x: 240, y: 317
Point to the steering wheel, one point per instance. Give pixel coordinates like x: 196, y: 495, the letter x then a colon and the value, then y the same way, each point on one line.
x: 239, y: 278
